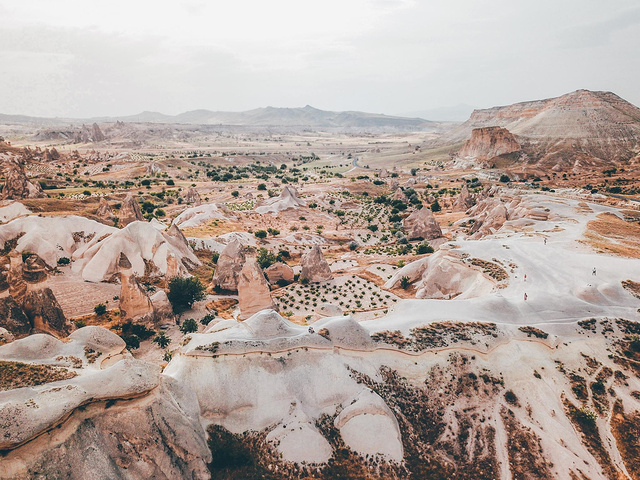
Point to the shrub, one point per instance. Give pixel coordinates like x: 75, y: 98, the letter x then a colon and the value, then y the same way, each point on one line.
x: 504, y: 179
x: 170, y: 182
x: 262, y: 186
x: 162, y: 340
x: 435, y: 207
x: 100, y: 309
x: 372, y: 227
x: 353, y: 245
x: 189, y: 326
x: 184, y: 292
x: 208, y: 318
x: 214, y: 257
x: 235, y: 193
x: 132, y: 341
x: 405, y: 282
x: 265, y: 258
x: 261, y: 234
x: 64, y: 261
x: 424, y: 248
x: 511, y: 397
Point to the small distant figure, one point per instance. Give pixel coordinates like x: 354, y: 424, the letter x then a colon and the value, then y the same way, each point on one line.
x: 311, y: 330
x: 545, y: 240
x: 525, y: 296
x: 594, y: 271
x: 525, y: 277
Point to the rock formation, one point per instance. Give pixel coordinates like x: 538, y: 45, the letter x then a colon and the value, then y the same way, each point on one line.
x: 5, y: 266
x: 88, y: 134
x: 254, y: 293
x: 44, y: 312
x: 104, y: 211
x: 421, y: 224
x: 129, y: 211
x: 34, y: 270
x: 489, y: 142
x: 13, y: 318
x: 17, y: 185
x: 399, y: 195
x: 288, y: 199
x: 135, y: 305
x: 202, y: 214
x: 464, y: 201
x: 279, y: 272
x: 229, y: 267
x: 15, y: 278
x: 314, y: 266
x: 192, y: 196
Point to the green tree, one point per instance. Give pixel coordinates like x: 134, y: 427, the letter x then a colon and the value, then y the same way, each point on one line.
x: 435, y: 206
x: 261, y: 234
x: 162, y: 340
x: 189, y: 326
x: 405, y: 282
x: 100, y: 309
x: 265, y: 258
x: 184, y: 292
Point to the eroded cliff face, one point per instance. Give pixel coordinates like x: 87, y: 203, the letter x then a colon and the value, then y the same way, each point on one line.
x: 579, y: 129
x: 489, y: 142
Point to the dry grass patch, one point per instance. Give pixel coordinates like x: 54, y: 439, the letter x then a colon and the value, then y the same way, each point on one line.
x: 213, y: 229
x: 611, y: 234
x: 18, y: 374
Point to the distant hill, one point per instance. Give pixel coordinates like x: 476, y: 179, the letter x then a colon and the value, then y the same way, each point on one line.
x: 269, y: 116
x: 583, y: 126
x: 456, y: 113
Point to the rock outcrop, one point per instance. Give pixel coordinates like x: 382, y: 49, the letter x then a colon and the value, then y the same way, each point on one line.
x: 315, y: 267
x: 129, y: 211
x: 279, y: 272
x: 104, y: 211
x: 421, y: 224
x: 202, y: 214
x: 13, y: 318
x: 17, y: 185
x: 152, y: 253
x: 489, y: 142
x: 229, y: 267
x: 135, y: 304
x: 254, y: 293
x: 192, y: 196
x: 288, y: 199
x: 44, y: 312
x: 34, y: 270
x: 5, y: 266
x: 464, y: 201
x: 15, y: 278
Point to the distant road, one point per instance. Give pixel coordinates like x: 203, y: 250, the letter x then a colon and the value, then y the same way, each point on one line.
x: 622, y: 197
x: 354, y: 162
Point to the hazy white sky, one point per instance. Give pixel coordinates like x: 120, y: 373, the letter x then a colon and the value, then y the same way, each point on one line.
x: 82, y: 58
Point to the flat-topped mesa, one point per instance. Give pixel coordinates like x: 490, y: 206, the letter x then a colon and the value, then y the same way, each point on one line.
x: 314, y: 266
x: 135, y: 305
x: 421, y: 224
x: 254, y: 293
x: 489, y: 142
x: 192, y: 197
x: 229, y: 267
x: 17, y: 185
x: 464, y: 201
x: 104, y: 210
x: 129, y: 211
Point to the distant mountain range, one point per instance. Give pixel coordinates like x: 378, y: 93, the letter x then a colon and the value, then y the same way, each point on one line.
x: 269, y: 116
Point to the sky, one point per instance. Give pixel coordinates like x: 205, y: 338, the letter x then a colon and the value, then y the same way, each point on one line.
x: 72, y: 58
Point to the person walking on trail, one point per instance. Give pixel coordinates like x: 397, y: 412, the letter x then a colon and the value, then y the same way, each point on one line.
x: 525, y: 296
x: 525, y: 277
x: 545, y: 241
x: 594, y: 271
